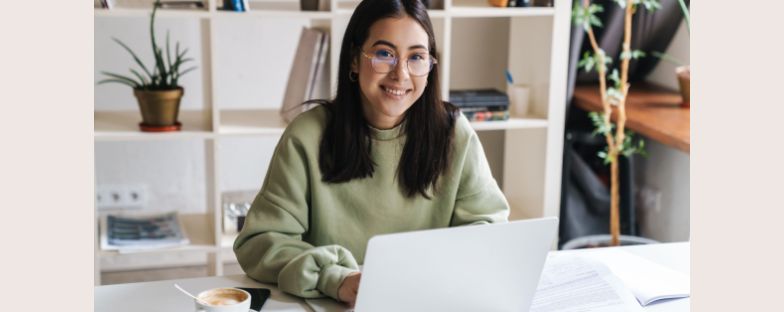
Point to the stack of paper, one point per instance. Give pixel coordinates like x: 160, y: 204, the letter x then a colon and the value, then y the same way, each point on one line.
x: 571, y: 284
x: 609, y: 280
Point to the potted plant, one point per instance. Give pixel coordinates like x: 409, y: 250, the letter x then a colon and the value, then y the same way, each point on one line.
x: 157, y: 91
x: 620, y: 142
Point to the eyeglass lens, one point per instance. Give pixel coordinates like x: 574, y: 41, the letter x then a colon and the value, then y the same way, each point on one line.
x: 419, y: 64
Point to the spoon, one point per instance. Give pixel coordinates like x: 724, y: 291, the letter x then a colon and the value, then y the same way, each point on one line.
x: 189, y: 294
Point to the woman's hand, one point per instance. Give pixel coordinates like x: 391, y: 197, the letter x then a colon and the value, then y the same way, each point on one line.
x: 347, y: 292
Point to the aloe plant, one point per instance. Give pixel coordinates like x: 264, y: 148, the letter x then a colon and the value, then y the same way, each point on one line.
x: 165, y: 73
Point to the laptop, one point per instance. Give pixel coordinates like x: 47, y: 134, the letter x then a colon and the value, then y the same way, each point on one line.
x: 494, y: 267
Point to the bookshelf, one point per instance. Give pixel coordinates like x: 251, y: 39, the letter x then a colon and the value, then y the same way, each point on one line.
x: 217, y: 114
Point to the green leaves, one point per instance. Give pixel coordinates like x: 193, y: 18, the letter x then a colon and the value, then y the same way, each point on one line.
x: 598, y: 123
x: 650, y: 5
x: 586, y: 17
x: 630, y: 146
x: 589, y: 61
x: 635, y: 54
x: 166, y: 72
x: 615, y: 79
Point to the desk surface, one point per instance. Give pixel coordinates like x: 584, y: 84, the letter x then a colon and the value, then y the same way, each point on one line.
x: 650, y: 110
x: 162, y: 296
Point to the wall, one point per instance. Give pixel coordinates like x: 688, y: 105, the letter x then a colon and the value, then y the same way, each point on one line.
x: 664, y: 174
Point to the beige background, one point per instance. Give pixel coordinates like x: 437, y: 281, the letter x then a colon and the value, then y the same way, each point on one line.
x: 46, y: 162
x: 46, y: 155
x: 737, y: 168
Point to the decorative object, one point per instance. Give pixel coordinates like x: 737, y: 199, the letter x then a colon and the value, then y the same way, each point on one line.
x: 499, y: 3
x: 309, y: 5
x: 684, y: 82
x: 684, y: 72
x: 158, y: 91
x: 619, y: 141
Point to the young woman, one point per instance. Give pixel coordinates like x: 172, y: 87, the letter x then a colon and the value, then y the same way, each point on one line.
x: 386, y: 155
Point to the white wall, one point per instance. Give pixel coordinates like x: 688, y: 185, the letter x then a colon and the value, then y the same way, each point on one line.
x: 666, y: 170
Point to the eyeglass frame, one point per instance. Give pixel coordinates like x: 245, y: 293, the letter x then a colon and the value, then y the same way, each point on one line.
x: 433, y: 62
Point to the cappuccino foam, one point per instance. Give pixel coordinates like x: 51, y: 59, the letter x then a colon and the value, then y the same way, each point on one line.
x: 223, y: 297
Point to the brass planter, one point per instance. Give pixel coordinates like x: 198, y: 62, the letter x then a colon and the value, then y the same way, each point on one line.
x: 684, y: 80
x: 159, y: 108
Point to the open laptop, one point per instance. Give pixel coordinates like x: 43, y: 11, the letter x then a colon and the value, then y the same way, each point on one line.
x: 493, y: 267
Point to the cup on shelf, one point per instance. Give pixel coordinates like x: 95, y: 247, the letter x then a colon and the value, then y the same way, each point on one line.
x: 519, y: 96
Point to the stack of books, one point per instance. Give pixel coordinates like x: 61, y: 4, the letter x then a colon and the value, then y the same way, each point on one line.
x: 481, y: 104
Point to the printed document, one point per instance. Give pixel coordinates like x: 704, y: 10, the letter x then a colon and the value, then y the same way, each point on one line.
x: 647, y: 280
x: 570, y: 283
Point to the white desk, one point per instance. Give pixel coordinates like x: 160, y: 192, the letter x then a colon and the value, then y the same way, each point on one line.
x: 162, y: 296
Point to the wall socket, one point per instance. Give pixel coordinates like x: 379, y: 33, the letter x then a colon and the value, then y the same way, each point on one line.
x: 650, y: 199
x: 121, y: 196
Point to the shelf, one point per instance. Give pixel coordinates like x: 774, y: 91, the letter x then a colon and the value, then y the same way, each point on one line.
x: 500, y: 12
x: 194, y: 225
x: 124, y: 126
x: 227, y: 241
x: 315, y: 15
x: 651, y: 111
x: 145, y: 12
x: 512, y: 123
x: 251, y: 122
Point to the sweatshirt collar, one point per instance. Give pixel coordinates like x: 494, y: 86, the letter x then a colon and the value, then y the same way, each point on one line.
x: 388, y: 134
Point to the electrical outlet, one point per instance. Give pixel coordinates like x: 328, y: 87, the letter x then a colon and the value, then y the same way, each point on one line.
x: 121, y: 196
x: 650, y: 199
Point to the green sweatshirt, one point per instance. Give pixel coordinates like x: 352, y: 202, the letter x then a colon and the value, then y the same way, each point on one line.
x: 308, y: 235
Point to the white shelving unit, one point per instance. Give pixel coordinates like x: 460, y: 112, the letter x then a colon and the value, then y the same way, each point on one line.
x: 476, y: 42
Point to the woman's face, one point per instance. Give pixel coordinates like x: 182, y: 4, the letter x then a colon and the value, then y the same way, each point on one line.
x: 387, y: 96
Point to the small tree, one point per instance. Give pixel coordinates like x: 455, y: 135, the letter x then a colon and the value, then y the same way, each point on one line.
x: 619, y: 141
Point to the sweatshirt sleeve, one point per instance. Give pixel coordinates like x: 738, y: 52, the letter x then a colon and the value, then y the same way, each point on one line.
x: 479, y: 199
x: 270, y: 247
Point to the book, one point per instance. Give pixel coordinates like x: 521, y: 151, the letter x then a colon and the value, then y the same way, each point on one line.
x: 130, y: 232
x: 182, y: 4
x: 320, y: 88
x: 236, y: 5
x: 478, y: 97
x: 304, y: 73
x: 487, y: 115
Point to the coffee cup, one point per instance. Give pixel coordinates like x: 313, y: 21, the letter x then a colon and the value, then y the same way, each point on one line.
x: 223, y: 300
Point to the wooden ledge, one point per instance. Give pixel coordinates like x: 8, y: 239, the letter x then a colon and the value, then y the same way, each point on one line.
x: 651, y: 110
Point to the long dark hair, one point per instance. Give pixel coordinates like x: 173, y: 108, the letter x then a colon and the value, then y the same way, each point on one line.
x: 345, y: 147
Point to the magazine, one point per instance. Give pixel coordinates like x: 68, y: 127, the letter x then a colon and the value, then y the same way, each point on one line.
x: 140, y: 232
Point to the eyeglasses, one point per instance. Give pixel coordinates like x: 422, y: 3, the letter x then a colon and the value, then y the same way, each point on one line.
x: 384, y: 62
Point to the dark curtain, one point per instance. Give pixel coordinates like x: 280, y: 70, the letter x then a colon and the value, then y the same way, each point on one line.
x: 651, y: 31
x: 585, y: 199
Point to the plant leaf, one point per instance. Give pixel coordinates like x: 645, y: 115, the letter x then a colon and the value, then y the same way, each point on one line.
x: 136, y: 58
x: 117, y: 81
x: 614, y: 78
x: 141, y: 78
x: 121, y: 77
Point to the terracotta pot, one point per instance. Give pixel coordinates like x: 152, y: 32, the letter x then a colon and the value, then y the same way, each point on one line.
x: 684, y: 80
x: 159, y: 108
